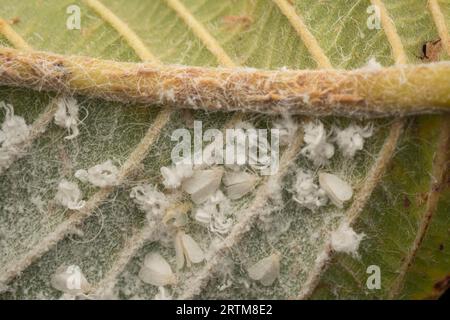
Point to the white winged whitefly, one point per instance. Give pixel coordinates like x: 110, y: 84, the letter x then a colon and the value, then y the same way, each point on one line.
x: 266, y: 270
x: 187, y: 250
x: 338, y: 190
x: 175, y: 175
x: 239, y: 183
x: 351, y: 139
x: 156, y: 271
x: 317, y: 148
x: 203, y: 184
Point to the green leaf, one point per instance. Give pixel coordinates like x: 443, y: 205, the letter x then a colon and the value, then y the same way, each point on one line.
x: 406, y: 233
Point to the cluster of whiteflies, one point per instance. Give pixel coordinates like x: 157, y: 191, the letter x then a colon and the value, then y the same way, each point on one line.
x: 102, y: 175
x: 14, y: 136
x: 15, y: 133
x: 311, y: 194
x: 319, y: 149
x: 213, y: 189
x: 69, y: 279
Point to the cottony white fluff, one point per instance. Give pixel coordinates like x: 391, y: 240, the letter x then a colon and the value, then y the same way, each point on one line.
x: 101, y: 175
x: 372, y: 65
x: 317, y: 149
x: 351, y: 139
x: 150, y: 200
x: 13, y: 133
x: 66, y: 116
x: 345, y: 239
x: 69, y: 195
x: 14, y: 129
x: 175, y: 175
x: 308, y: 193
x: 216, y: 214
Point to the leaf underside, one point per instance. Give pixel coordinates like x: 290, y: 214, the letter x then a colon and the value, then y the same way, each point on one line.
x: 390, y: 220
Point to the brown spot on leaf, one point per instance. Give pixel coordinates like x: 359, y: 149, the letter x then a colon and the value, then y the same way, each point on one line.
x: 14, y: 20
x: 431, y: 51
x: 441, y: 247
